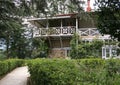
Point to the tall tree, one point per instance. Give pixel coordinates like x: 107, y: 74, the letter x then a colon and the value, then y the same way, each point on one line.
x: 109, y: 17
x: 63, y: 6
x: 11, y: 14
x: 12, y: 11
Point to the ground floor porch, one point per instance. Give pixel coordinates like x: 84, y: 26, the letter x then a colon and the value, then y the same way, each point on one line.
x: 110, y: 51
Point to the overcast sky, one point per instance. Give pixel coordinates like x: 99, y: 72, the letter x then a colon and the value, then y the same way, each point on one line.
x: 91, y: 4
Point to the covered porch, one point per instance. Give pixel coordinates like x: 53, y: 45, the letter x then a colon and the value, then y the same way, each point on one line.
x: 110, y: 51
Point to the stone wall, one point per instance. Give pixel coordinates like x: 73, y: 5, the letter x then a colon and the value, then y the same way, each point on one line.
x: 57, y: 53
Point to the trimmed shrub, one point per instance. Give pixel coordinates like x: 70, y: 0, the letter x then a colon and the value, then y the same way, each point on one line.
x: 112, y: 68
x: 8, y: 65
x: 74, y: 72
x: 53, y: 72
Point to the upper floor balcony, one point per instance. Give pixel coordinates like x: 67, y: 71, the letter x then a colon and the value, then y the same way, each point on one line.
x: 64, y: 25
x: 54, y: 31
x: 85, y: 33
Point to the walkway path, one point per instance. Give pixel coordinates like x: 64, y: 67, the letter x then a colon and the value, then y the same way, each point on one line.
x: 16, y: 77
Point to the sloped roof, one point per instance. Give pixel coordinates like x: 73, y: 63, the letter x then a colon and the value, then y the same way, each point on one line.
x: 61, y: 16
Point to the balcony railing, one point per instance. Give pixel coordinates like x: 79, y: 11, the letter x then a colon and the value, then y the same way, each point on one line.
x: 88, y: 32
x: 54, y: 31
x: 85, y: 33
x: 92, y: 33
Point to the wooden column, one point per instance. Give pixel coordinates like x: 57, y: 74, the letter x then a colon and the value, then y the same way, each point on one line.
x: 77, y: 25
x: 110, y: 51
x: 61, y: 42
x: 66, y: 53
x: 47, y: 24
x: 61, y: 33
x: 77, y: 33
x: 61, y: 27
x: 50, y: 42
x: 104, y: 52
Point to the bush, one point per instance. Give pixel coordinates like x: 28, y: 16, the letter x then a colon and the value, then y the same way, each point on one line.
x: 81, y: 49
x: 2, y: 56
x: 74, y: 72
x: 8, y: 65
x: 113, y: 71
x: 53, y: 72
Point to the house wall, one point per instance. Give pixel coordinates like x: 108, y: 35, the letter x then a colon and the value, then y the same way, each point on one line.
x: 89, y: 20
x: 57, y: 53
x: 87, y: 23
x: 66, y: 43
x: 60, y: 43
x: 59, y: 32
x: 59, y: 49
x: 55, y: 44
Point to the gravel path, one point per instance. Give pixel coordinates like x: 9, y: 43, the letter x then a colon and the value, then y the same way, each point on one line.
x: 16, y: 77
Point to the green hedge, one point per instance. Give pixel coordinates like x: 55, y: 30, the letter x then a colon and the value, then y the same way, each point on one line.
x: 8, y: 65
x: 74, y: 72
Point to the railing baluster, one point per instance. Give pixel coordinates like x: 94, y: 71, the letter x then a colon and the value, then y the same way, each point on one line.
x: 55, y: 31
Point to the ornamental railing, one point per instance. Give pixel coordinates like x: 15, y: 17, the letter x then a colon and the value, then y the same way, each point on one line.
x: 67, y: 30
x: 88, y: 32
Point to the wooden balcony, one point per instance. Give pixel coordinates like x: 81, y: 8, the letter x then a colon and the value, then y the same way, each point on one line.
x: 92, y: 33
x: 55, y: 31
x: 85, y: 33
x: 88, y: 32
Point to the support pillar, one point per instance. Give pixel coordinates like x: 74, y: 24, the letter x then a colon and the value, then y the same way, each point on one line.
x: 110, y: 52
x: 50, y: 42
x: 47, y: 26
x: 61, y: 26
x: 103, y: 52
x: 61, y: 42
x: 66, y: 53
x: 76, y: 25
x: 77, y: 33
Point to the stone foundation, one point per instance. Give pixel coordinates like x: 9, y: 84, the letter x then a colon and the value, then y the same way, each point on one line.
x: 58, y: 53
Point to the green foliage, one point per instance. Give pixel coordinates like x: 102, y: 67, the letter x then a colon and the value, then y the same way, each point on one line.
x: 64, y: 6
x: 8, y: 65
x: 74, y: 72
x: 109, y: 17
x: 113, y: 72
x: 17, y: 45
x: 15, y: 40
x: 40, y: 48
x: 80, y: 49
x: 12, y: 12
x: 10, y: 26
x: 53, y: 72
x: 74, y: 46
x: 2, y: 55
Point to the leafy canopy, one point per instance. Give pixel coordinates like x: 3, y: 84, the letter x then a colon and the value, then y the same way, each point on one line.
x: 109, y: 17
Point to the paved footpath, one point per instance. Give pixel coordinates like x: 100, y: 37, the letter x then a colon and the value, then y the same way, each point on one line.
x: 16, y: 77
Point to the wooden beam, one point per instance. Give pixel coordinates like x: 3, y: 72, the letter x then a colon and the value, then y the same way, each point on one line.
x: 49, y: 42
x: 47, y: 24
x: 61, y: 42
x: 76, y: 25
x: 40, y: 23
x: 61, y: 23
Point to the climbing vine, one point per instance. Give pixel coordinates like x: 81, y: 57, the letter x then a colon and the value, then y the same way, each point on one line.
x: 81, y: 49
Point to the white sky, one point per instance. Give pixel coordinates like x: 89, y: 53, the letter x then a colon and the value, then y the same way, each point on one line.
x: 91, y: 3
